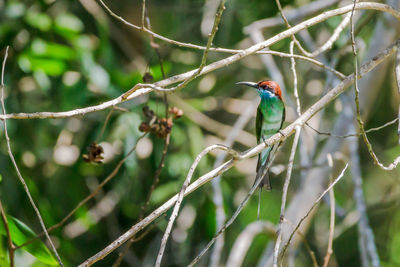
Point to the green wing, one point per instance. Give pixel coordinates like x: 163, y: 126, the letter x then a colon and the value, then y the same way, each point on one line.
x: 283, y: 115
x: 259, y: 121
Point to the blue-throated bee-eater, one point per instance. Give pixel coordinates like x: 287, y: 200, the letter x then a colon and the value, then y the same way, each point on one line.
x: 269, y: 120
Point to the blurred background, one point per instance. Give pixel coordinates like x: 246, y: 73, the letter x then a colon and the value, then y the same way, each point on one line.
x: 66, y: 55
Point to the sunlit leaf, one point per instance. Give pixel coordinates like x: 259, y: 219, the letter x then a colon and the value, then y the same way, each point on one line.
x: 68, y: 25
x: 15, y: 10
x: 163, y: 192
x: 38, y: 20
x: 42, y: 48
x: 21, y: 233
x: 156, y: 70
x: 53, y: 67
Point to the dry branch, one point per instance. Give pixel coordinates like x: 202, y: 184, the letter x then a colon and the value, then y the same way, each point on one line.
x: 211, y: 67
x: 308, y: 114
x: 21, y: 179
x: 284, y: 195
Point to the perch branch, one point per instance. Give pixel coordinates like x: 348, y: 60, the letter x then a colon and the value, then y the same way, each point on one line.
x: 308, y: 114
x: 142, y: 90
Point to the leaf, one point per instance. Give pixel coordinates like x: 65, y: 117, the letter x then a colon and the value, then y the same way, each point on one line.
x: 156, y: 70
x: 15, y: 10
x: 21, y: 233
x: 38, y: 20
x: 41, y: 48
x: 52, y: 67
x: 68, y: 25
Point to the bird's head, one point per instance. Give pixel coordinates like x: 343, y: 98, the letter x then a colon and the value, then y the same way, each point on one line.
x: 266, y: 89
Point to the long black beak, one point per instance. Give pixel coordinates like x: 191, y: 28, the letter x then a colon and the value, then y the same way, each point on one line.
x: 251, y: 84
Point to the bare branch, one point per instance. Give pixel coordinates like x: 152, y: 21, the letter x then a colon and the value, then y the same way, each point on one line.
x: 355, y: 134
x: 21, y: 179
x: 295, y: 90
x: 216, y: 182
x: 141, y: 90
x: 336, y: 33
x: 392, y: 165
x: 366, y: 236
x: 294, y: 39
x: 103, y: 128
x: 292, y: 15
x: 312, y: 207
x: 174, y: 214
x: 284, y: 195
x: 182, y: 193
x: 244, y: 240
x: 233, y: 218
x: 332, y: 216
x: 211, y: 125
x: 331, y: 95
x: 397, y: 70
x: 89, y: 197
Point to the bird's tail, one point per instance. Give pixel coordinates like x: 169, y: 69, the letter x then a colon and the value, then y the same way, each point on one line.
x: 265, y: 182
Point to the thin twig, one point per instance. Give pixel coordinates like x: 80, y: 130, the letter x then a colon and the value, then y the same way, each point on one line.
x: 174, y: 214
x: 89, y: 197
x: 211, y: 67
x: 293, y: 15
x: 284, y: 196
x: 335, y: 35
x: 392, y: 165
x: 196, y: 73
x: 244, y: 240
x: 143, y: 209
x: 240, y: 123
x: 9, y: 239
x: 307, y: 246
x: 147, y: 202
x: 365, y: 234
x: 143, y: 12
x: 284, y: 133
x: 211, y: 125
x: 3, y: 214
x: 294, y: 39
x: 167, y: 139
x: 175, y: 211
x: 234, y: 216
x: 21, y: 179
x: 295, y: 90
x: 397, y: 71
x: 332, y: 216
x: 103, y: 128
x: 354, y: 134
x: 312, y: 207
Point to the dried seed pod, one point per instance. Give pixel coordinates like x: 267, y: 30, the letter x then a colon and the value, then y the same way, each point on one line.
x: 144, y: 127
x: 94, y: 154
x: 147, y: 77
x: 176, y: 112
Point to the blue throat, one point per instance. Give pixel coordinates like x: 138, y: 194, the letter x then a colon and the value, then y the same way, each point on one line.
x: 266, y: 95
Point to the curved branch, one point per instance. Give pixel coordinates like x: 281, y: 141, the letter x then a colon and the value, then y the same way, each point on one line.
x: 289, y: 130
x: 211, y: 67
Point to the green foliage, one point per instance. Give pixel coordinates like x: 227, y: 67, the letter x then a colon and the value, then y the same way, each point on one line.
x: 64, y: 56
x: 21, y: 233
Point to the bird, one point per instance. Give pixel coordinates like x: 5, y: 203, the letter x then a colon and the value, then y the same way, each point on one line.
x: 269, y: 121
